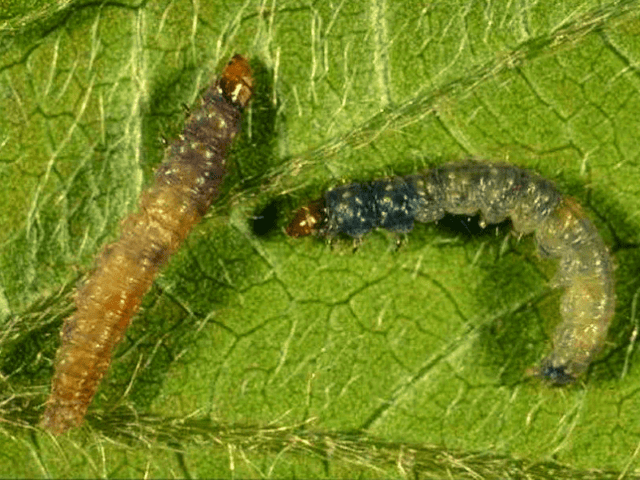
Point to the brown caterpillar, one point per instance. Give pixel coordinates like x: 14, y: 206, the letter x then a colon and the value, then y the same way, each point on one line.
x: 498, y: 192
x: 186, y: 184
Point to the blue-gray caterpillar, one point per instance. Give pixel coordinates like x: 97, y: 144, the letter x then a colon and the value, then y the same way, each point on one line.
x: 497, y: 192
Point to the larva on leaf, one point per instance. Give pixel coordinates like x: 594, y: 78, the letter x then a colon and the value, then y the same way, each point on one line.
x: 497, y: 192
x: 306, y: 220
x: 185, y: 186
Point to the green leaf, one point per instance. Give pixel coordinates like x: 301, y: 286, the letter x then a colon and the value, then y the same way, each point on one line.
x: 259, y: 355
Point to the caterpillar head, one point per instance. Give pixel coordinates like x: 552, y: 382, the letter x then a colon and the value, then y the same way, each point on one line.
x: 307, y: 220
x: 236, y: 81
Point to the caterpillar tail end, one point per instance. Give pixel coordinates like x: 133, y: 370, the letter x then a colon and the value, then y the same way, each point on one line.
x: 58, y: 418
x: 556, y: 375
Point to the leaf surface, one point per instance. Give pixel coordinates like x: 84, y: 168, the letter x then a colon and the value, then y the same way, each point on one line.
x: 260, y: 355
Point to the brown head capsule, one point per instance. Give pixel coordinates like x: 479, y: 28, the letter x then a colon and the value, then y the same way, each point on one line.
x: 236, y: 81
x: 307, y: 220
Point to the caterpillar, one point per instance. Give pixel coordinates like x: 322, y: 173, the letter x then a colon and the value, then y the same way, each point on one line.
x: 185, y: 186
x: 497, y: 192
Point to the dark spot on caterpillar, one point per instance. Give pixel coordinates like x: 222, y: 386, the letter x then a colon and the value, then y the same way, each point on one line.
x: 555, y: 375
x: 497, y: 193
x: 185, y: 186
